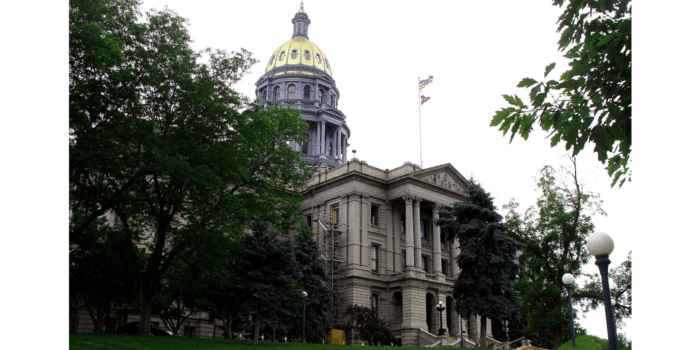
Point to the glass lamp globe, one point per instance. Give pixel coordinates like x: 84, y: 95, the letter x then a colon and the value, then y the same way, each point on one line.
x: 303, y: 294
x: 613, y: 302
x: 600, y: 243
x: 568, y: 279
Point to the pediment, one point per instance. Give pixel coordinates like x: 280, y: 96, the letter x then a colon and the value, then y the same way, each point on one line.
x: 445, y: 176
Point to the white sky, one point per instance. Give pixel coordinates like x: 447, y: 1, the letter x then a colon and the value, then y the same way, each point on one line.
x: 378, y: 49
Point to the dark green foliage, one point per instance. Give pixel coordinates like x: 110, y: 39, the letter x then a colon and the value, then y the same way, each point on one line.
x: 163, y: 141
x: 314, y: 282
x: 99, y: 274
x: 371, y: 328
x: 553, y: 236
x: 592, y: 101
x: 589, y: 342
x: 487, y: 258
x: 264, y: 276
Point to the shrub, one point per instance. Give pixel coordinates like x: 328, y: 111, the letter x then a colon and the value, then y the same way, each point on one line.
x: 586, y: 342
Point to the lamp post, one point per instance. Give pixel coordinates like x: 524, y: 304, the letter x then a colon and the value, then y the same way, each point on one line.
x: 614, y: 304
x: 303, y: 322
x: 601, y: 245
x: 440, y: 308
x: 461, y: 330
x: 568, y: 280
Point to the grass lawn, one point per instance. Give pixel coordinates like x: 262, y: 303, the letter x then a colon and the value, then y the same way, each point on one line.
x: 85, y: 341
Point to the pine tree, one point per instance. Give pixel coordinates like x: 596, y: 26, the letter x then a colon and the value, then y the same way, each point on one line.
x: 487, y: 259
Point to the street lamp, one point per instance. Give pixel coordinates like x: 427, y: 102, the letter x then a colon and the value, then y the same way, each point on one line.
x: 614, y: 303
x: 440, y: 307
x: 568, y: 280
x: 303, y: 323
x: 601, y: 245
x: 461, y: 330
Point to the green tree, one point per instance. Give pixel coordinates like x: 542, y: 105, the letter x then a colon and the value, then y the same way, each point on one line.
x: 620, y: 278
x: 165, y: 143
x: 371, y: 328
x: 592, y: 101
x: 99, y: 276
x: 314, y: 282
x: 487, y: 259
x: 553, y: 238
x: 265, y: 275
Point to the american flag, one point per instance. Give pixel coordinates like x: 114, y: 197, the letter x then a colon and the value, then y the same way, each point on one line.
x: 423, y: 99
x: 425, y: 82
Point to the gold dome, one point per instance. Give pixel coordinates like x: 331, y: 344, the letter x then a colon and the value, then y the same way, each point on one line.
x: 299, y: 51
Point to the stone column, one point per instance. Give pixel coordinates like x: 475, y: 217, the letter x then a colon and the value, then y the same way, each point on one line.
x: 389, y: 236
x: 416, y: 232
x: 323, y: 137
x: 342, y: 252
x: 437, y: 251
x: 396, y: 218
x: 317, y: 139
x: 354, y: 230
x: 365, y: 234
x: 455, y: 253
x: 410, y: 253
x: 337, y: 142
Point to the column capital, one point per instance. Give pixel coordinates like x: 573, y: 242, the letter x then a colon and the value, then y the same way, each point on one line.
x: 436, y: 208
x: 417, y: 200
x: 408, y: 198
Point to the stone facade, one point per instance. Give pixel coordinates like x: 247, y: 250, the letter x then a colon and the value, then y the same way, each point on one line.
x: 391, y: 254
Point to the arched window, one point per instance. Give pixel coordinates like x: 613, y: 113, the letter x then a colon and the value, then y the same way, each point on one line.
x: 320, y: 95
x: 277, y: 93
x: 307, y: 92
x: 333, y: 100
x: 264, y: 95
x: 294, y: 54
x: 290, y: 91
x: 305, y: 148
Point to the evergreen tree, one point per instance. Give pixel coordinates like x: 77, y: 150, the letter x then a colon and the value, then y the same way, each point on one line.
x: 264, y: 276
x: 313, y: 276
x: 487, y: 259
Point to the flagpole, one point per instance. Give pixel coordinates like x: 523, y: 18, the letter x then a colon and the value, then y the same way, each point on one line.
x: 420, y: 134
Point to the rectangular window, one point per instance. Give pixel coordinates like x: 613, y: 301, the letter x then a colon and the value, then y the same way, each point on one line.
x: 375, y: 258
x: 403, y: 223
x: 375, y: 304
x: 375, y: 215
x: 426, y: 262
x: 403, y: 259
x: 423, y: 229
x: 308, y: 221
x: 442, y: 237
x: 336, y: 214
x: 189, y: 331
x: 444, y: 268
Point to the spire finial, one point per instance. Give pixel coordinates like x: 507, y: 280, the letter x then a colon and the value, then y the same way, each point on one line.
x: 301, y: 9
x: 301, y: 23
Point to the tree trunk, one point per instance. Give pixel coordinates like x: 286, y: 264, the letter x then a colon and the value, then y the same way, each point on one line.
x: 228, y: 319
x: 147, y: 291
x: 558, y: 333
x: 483, y: 342
x: 256, y: 330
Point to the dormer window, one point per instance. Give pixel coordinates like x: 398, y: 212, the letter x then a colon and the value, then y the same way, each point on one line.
x: 318, y: 58
x: 307, y: 55
x: 272, y: 59
x: 328, y: 64
x: 294, y: 54
x: 281, y: 55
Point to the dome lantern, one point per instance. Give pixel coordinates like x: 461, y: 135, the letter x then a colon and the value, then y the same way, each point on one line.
x: 301, y: 23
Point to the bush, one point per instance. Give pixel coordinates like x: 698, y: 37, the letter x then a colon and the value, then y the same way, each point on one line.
x: 585, y: 342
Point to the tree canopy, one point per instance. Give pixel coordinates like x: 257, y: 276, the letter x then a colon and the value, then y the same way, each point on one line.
x: 164, y: 143
x: 553, y: 238
x: 592, y: 101
x: 484, y: 285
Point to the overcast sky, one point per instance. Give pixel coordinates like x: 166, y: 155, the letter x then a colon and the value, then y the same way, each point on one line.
x: 475, y: 51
